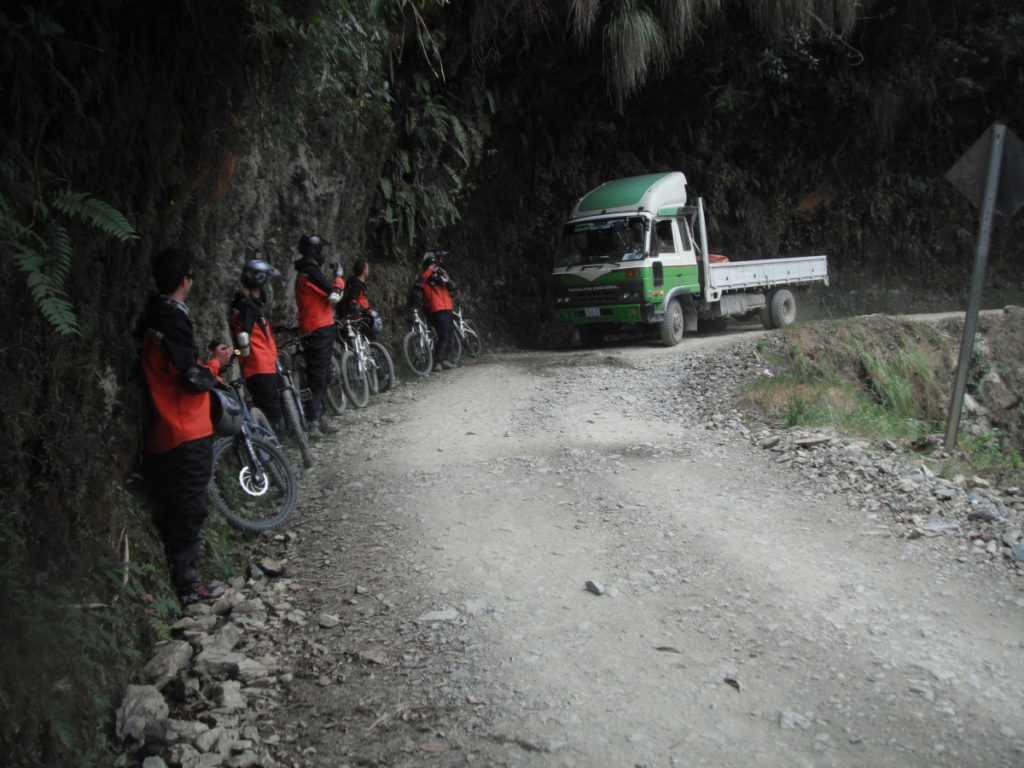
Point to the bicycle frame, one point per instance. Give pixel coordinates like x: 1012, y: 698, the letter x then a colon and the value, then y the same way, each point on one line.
x: 354, y: 339
x: 248, y: 424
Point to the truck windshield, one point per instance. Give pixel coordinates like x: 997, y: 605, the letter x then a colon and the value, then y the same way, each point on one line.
x: 600, y: 242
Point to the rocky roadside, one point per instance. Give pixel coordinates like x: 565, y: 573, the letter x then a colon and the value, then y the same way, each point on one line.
x: 238, y: 684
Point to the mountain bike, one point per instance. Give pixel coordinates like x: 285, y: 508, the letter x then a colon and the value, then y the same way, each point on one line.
x: 417, y: 347
x: 366, y: 366
x: 252, y: 483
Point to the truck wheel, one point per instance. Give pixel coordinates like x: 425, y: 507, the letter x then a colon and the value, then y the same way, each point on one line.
x: 672, y: 325
x: 782, y: 308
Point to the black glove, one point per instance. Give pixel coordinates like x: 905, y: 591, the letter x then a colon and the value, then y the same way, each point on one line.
x: 338, y: 272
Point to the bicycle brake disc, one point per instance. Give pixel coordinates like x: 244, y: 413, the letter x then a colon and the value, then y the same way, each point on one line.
x: 249, y: 483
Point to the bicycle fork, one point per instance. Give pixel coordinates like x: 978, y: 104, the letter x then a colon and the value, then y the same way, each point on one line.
x: 251, y: 477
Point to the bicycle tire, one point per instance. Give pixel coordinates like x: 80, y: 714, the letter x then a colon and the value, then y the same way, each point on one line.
x: 335, y: 391
x: 416, y: 351
x: 474, y: 344
x: 357, y: 385
x: 247, y: 502
x: 261, y: 426
x: 385, y: 366
x: 456, y: 351
x: 371, y: 370
x: 293, y: 422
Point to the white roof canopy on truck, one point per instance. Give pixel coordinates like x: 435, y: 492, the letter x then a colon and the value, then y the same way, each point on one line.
x: 655, y: 193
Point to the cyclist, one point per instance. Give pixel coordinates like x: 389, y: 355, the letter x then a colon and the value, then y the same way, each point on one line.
x: 356, y: 303
x: 316, y: 296
x: 179, y: 439
x: 437, y: 297
x: 255, y: 342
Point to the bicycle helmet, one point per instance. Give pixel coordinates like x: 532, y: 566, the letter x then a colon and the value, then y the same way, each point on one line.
x: 225, y: 412
x: 433, y: 257
x: 375, y: 322
x: 312, y: 246
x: 257, y: 274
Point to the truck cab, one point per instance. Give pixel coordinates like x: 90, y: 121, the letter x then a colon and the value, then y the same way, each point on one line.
x: 626, y: 251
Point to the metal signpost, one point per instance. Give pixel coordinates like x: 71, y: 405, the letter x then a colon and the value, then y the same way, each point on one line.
x: 998, y: 193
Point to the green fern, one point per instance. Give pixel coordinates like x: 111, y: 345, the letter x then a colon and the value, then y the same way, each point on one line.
x: 97, y: 213
x: 43, y: 248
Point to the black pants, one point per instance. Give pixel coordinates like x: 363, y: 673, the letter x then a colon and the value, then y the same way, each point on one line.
x: 179, y: 479
x: 318, y: 347
x: 265, y: 389
x: 444, y: 323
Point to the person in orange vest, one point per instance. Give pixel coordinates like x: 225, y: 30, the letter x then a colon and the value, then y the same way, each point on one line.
x: 179, y: 436
x: 255, y: 342
x: 437, y: 298
x: 356, y: 303
x: 316, y: 296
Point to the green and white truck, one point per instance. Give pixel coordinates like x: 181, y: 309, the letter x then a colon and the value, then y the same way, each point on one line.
x: 634, y: 254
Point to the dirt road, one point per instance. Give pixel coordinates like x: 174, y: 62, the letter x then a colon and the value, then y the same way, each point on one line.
x: 748, y: 617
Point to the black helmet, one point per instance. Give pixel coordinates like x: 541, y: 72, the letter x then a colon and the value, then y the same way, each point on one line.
x: 433, y: 257
x: 312, y: 246
x: 257, y: 273
x: 225, y: 412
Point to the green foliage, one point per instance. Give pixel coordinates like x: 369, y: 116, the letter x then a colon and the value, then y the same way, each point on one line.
x: 993, y: 449
x: 634, y: 47
x: 422, y: 186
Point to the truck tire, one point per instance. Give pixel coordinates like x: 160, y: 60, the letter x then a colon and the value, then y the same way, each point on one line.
x: 766, y: 318
x: 782, y: 308
x: 673, y: 324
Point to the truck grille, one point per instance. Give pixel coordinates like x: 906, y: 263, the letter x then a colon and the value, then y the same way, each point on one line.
x: 592, y: 296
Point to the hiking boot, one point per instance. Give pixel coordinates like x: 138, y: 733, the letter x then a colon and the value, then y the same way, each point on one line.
x: 326, y: 427
x: 447, y: 365
x: 437, y: 367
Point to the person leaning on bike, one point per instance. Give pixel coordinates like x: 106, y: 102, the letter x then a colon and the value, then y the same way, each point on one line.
x: 356, y: 303
x: 437, y: 298
x: 316, y: 296
x: 179, y: 436
x: 255, y: 342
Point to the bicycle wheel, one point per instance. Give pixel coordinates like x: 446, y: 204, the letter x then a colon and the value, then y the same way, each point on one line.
x: 261, y: 426
x: 385, y: 366
x: 254, y: 492
x: 335, y: 390
x: 356, y: 384
x: 456, y: 350
x: 371, y: 371
x: 474, y: 345
x: 293, y: 423
x: 417, y: 353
